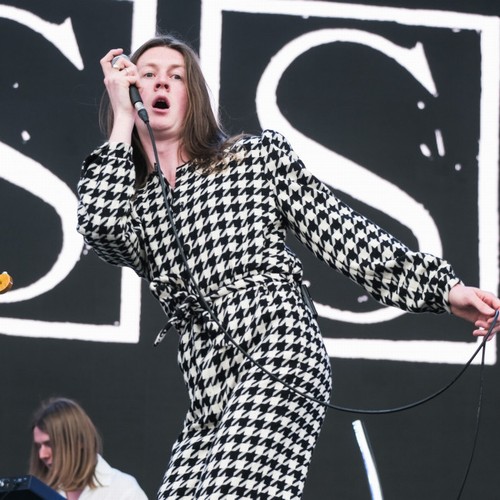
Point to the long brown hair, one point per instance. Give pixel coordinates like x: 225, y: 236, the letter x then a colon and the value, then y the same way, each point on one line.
x: 203, y: 138
x: 75, y: 444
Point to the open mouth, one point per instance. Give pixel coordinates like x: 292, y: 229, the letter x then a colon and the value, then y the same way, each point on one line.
x: 161, y: 103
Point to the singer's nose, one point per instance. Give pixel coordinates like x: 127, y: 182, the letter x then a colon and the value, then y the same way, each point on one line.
x: 162, y: 83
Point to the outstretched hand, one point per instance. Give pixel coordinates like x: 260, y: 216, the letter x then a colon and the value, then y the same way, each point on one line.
x: 476, y: 306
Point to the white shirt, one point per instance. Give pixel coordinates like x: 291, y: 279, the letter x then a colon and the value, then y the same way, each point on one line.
x: 112, y: 485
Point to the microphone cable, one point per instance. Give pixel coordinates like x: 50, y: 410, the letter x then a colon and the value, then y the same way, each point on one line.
x: 478, y: 411
x: 208, y: 308
x: 193, y: 282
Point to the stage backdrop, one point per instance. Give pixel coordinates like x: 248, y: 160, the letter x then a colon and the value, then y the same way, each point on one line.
x: 394, y: 105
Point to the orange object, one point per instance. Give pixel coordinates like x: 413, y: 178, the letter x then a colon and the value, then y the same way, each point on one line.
x: 6, y: 282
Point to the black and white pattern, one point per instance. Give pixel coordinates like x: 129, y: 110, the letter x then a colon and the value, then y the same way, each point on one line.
x: 245, y: 435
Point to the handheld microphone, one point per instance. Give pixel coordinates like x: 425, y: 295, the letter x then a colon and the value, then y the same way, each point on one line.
x: 135, y: 97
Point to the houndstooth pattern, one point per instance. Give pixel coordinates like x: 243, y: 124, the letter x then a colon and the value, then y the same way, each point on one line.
x: 245, y: 435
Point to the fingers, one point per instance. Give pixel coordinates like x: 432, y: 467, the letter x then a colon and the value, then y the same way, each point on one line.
x: 489, y: 327
x: 113, y: 66
x: 484, y: 309
x: 477, y: 306
x: 119, y: 74
x: 491, y: 300
x: 119, y: 62
x: 482, y: 332
x: 108, y: 59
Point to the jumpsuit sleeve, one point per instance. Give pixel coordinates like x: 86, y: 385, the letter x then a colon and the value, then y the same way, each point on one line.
x: 106, y: 216
x: 347, y: 241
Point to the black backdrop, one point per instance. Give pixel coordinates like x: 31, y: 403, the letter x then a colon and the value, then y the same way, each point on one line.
x: 69, y: 327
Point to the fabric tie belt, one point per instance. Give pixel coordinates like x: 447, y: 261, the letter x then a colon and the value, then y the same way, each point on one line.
x: 189, y: 307
x: 189, y: 304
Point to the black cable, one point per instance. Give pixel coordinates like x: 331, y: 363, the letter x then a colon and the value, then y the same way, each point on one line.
x: 210, y: 311
x: 478, y: 412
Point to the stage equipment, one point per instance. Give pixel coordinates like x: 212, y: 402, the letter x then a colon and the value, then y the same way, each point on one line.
x: 26, y: 488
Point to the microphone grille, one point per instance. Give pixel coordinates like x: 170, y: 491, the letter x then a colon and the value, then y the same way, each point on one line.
x: 117, y: 58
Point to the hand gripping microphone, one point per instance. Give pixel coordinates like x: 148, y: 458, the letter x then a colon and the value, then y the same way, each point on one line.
x: 135, y: 97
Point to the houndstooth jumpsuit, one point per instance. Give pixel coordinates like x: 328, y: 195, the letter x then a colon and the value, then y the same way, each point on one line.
x: 245, y: 435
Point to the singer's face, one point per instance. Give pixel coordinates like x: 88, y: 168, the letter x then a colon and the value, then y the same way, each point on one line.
x: 162, y: 84
x: 42, y: 443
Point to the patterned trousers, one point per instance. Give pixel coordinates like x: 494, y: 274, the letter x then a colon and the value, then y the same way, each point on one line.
x: 247, y: 436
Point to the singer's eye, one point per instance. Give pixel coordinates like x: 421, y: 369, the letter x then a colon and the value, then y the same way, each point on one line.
x: 176, y: 77
x: 149, y: 74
